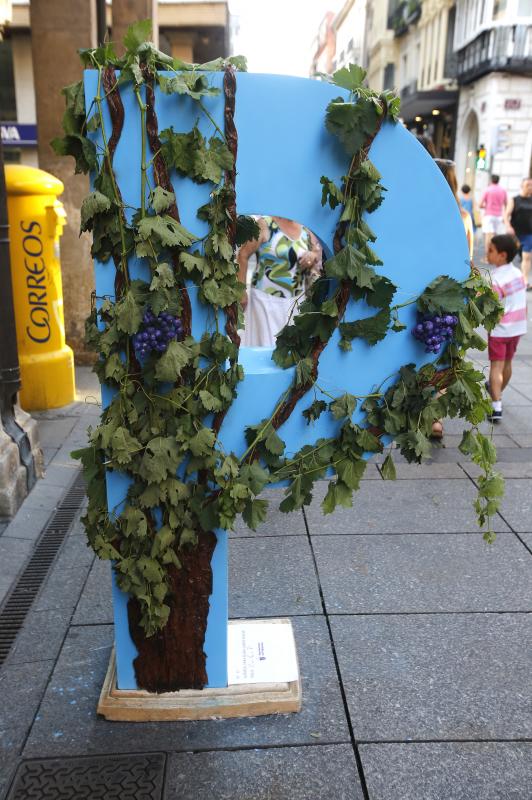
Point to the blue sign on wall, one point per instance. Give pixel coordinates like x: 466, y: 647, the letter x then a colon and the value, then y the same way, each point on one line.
x: 16, y: 135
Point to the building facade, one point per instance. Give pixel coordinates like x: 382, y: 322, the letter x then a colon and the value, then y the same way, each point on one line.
x: 193, y: 30
x: 324, y: 47
x: 410, y: 50
x: 350, y: 34
x: 493, y: 46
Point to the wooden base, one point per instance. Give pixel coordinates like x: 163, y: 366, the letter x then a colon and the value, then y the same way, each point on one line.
x: 243, y: 700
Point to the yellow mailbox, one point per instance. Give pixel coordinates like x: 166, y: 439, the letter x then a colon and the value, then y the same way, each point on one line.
x: 36, y: 220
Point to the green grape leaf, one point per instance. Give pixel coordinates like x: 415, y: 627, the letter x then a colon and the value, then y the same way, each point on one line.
x: 331, y: 193
x: 350, y: 77
x: 210, y: 402
x: 94, y: 203
x: 254, y: 477
x: 165, y: 229
x: 314, y: 411
x: 372, y: 329
x: 128, y: 313
x: 350, y: 263
x: 351, y: 472
x: 254, y: 513
x: 388, y: 471
x: 173, y: 361
x: 123, y: 446
x: 135, y: 523
x: 442, y: 294
x: 343, y: 406
x: 136, y: 34
x: 202, y: 444
x: 163, y: 277
x: 161, y: 199
x: 274, y: 444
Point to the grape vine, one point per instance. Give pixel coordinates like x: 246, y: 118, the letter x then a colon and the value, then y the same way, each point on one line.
x: 172, y: 391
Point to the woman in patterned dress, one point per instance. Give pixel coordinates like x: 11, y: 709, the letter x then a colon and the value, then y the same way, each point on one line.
x: 288, y: 260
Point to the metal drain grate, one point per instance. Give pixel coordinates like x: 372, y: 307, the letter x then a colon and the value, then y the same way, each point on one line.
x: 25, y: 590
x: 122, y: 777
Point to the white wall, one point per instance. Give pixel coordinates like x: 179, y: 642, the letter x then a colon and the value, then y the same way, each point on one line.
x: 486, y: 97
x: 23, y: 72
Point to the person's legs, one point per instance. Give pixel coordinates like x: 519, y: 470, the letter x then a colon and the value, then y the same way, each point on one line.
x: 525, y: 240
x: 525, y: 265
x: 496, y: 380
x: 487, y: 240
x: 506, y: 374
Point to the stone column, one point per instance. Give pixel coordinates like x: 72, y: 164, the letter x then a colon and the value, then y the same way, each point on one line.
x: 125, y: 12
x: 58, y: 30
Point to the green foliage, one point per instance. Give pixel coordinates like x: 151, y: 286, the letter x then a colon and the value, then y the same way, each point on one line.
x: 159, y: 429
x: 189, y: 154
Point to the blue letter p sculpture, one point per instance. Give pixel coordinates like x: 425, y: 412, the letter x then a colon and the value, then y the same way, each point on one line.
x: 279, y: 164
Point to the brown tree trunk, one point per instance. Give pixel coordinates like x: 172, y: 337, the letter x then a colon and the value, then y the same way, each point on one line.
x: 174, y: 658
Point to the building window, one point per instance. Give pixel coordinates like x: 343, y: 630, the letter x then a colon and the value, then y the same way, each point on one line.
x: 449, y: 67
x: 8, y: 103
x: 389, y: 76
x: 524, y: 8
x: 499, y: 8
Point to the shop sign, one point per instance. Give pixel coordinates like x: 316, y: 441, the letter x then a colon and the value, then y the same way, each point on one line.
x: 15, y: 135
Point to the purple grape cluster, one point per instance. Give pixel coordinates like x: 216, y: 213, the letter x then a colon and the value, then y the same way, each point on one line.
x: 156, y: 333
x: 435, y: 330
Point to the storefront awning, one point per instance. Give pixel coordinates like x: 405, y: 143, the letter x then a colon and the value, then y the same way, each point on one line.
x: 421, y: 104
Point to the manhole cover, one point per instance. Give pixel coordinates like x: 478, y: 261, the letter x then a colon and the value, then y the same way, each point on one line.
x: 123, y: 777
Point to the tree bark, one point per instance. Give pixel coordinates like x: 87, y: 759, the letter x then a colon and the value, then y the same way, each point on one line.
x: 174, y: 658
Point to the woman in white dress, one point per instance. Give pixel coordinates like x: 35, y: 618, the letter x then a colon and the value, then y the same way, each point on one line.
x: 288, y: 260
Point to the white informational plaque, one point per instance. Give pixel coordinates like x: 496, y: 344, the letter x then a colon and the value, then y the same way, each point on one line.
x: 261, y: 651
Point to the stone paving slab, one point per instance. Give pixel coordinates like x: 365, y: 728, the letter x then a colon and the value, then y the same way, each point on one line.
x: 95, y: 605
x: 52, y: 432
x: 527, y: 539
x: 61, y: 475
x: 13, y: 555
x: 277, y: 524
x: 523, y: 439
x: 508, y: 471
x: 448, y: 771
x: 516, y: 506
x: 290, y: 773
x: 67, y: 577
x: 406, y: 506
x: 67, y: 723
x: 422, y: 573
x: 21, y: 689
x: 517, y: 454
x: 428, y: 470
x: 516, y: 419
x: 28, y: 522
x: 500, y: 440
x: 41, y: 637
x: 436, y: 676
x: 272, y: 577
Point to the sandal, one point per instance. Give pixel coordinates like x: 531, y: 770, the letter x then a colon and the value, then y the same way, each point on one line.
x: 437, y: 430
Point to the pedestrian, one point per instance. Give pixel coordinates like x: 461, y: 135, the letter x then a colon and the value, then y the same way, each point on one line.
x: 289, y: 259
x: 467, y: 202
x: 448, y: 168
x: 508, y: 282
x: 493, y: 202
x: 518, y: 218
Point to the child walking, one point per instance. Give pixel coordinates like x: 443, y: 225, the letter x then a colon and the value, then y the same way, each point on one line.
x: 508, y: 282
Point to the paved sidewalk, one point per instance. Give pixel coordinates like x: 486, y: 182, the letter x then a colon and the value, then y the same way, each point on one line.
x: 413, y: 637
